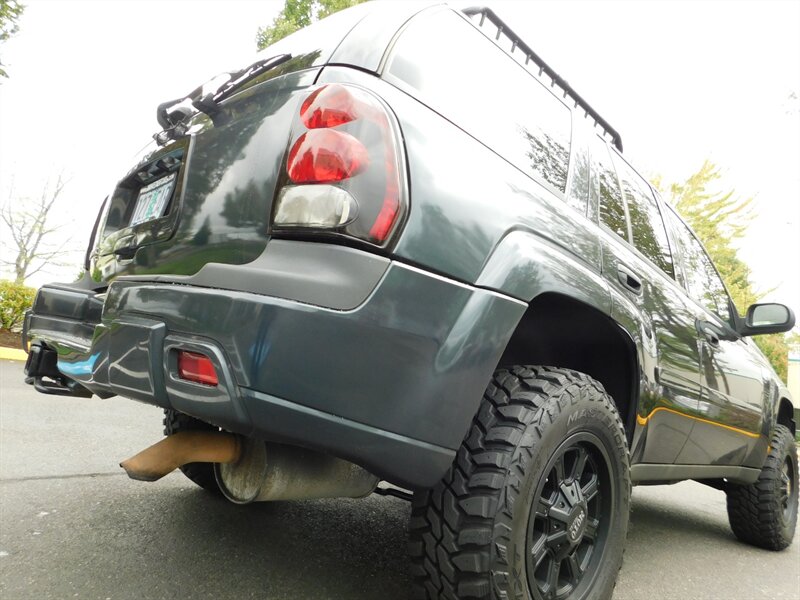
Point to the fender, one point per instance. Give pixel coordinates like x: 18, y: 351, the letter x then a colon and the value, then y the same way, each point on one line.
x: 525, y: 265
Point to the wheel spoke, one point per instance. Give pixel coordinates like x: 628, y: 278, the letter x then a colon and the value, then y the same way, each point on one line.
x: 580, y: 463
x: 542, y: 508
x: 538, y: 552
x: 590, y: 533
x: 554, y: 540
x: 552, y: 578
x: 560, y: 471
x: 590, y: 489
x: 575, y: 569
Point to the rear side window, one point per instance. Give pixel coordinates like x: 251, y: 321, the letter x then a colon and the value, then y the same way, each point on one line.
x: 702, y: 280
x: 466, y: 78
x: 612, y: 207
x: 647, y: 226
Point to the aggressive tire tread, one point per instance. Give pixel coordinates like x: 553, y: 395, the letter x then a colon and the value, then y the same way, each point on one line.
x: 460, y: 530
x: 755, y: 512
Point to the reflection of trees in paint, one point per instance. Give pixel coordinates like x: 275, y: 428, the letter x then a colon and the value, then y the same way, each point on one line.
x: 549, y: 157
x: 244, y: 208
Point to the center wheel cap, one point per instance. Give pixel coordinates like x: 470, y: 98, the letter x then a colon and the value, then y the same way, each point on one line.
x: 569, y: 516
x: 577, y: 525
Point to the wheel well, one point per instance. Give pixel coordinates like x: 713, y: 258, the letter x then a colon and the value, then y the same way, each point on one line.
x: 562, y: 332
x: 786, y: 415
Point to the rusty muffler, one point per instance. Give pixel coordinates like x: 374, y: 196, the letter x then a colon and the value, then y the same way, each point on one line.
x: 179, y: 449
x: 269, y: 471
x: 251, y: 470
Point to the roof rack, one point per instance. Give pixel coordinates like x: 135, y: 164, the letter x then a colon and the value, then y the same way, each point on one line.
x: 481, y: 14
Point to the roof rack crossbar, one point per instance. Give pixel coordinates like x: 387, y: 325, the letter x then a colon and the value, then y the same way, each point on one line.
x: 503, y: 29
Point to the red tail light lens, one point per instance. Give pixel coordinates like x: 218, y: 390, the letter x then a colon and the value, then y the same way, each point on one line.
x: 383, y: 224
x: 197, y: 368
x: 347, y: 138
x: 325, y: 155
x: 329, y: 106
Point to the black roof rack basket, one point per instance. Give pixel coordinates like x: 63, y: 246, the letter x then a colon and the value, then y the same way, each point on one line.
x: 480, y: 15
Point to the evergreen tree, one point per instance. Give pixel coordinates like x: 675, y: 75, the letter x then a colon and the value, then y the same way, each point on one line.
x: 718, y: 219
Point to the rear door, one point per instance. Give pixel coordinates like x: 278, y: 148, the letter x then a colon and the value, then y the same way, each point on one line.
x: 637, y: 262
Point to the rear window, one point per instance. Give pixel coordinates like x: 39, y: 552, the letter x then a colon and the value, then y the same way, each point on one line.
x: 612, y: 207
x: 465, y: 77
x: 649, y: 233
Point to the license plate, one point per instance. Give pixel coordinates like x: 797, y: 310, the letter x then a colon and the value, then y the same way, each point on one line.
x: 153, y: 200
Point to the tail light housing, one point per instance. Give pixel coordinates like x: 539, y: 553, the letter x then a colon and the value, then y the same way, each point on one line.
x: 344, y: 173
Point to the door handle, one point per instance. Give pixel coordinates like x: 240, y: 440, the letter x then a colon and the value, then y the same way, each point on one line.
x: 708, y: 332
x: 711, y: 337
x: 629, y: 279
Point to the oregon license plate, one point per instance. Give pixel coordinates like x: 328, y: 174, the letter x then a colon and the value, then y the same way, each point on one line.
x: 153, y: 199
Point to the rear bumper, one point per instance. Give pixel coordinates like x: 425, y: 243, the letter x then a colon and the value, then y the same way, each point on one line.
x: 391, y: 383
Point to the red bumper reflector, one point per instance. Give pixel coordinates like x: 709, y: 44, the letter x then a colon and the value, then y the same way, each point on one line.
x: 197, y: 368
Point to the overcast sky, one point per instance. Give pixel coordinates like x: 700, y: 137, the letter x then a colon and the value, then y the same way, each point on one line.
x: 681, y: 81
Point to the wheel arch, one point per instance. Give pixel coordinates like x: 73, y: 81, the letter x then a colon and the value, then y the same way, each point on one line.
x: 568, y: 321
x: 560, y: 330
x: 785, y: 414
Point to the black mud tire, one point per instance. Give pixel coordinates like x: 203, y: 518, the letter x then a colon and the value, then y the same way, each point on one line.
x: 764, y: 513
x: 474, y: 535
x: 200, y: 473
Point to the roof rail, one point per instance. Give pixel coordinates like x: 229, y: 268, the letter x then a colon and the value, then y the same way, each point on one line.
x: 481, y: 14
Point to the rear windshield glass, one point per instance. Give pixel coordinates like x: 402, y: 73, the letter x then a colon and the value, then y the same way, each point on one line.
x: 466, y: 78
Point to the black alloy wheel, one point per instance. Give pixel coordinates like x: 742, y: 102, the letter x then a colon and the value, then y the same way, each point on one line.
x: 535, y: 505
x: 569, y: 519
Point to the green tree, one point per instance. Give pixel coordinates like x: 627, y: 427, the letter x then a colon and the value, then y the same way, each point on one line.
x: 10, y: 12
x: 718, y: 219
x: 297, y: 14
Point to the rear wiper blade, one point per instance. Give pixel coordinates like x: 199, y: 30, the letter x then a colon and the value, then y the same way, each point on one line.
x: 240, y: 78
x: 172, y: 114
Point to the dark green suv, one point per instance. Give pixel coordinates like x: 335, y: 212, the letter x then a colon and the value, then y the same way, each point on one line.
x: 399, y: 247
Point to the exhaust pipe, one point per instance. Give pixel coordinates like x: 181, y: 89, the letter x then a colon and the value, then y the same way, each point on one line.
x: 249, y: 470
x: 179, y: 449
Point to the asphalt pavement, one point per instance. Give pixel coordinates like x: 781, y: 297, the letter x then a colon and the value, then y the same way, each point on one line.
x: 72, y: 525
